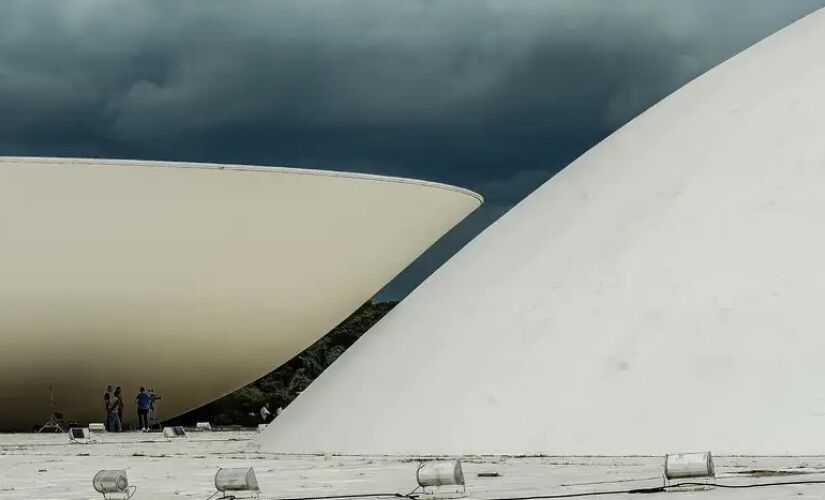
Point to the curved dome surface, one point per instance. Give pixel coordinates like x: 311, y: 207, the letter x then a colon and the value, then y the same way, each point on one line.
x: 193, y: 279
x: 661, y: 294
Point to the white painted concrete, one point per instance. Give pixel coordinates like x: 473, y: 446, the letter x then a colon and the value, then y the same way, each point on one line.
x: 193, y: 279
x: 663, y: 293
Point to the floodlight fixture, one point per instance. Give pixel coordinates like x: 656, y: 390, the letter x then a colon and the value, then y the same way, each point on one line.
x: 440, y: 473
x: 97, y: 427
x: 682, y: 466
x: 113, y: 484
x: 174, y: 432
x: 80, y: 435
x: 203, y: 426
x: 236, y: 479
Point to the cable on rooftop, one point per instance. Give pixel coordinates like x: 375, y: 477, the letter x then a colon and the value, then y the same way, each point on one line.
x: 652, y: 489
x: 756, y: 485
x: 656, y: 489
x: 361, y: 495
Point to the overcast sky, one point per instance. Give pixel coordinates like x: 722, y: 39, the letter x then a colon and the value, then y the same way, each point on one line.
x: 495, y: 96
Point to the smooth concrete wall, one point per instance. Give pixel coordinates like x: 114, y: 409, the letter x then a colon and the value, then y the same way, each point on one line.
x: 192, y: 279
x: 663, y: 293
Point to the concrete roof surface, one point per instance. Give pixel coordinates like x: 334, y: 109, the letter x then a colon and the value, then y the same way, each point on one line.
x: 47, y: 466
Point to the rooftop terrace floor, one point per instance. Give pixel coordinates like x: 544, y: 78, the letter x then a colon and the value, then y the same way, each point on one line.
x: 48, y: 466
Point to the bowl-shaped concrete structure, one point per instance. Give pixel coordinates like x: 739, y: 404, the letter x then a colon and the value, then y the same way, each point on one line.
x: 192, y: 279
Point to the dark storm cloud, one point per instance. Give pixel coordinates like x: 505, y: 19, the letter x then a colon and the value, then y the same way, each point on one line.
x: 495, y: 96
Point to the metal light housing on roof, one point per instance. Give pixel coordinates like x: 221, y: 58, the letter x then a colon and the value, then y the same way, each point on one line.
x: 681, y: 466
x: 203, y: 426
x: 113, y: 484
x: 80, y: 435
x: 174, y: 432
x: 236, y: 479
x: 441, y: 473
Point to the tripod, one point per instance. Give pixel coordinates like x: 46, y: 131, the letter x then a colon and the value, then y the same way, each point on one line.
x: 56, y: 420
x: 154, y: 415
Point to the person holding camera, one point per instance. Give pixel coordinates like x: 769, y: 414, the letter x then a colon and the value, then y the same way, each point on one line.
x: 143, y: 401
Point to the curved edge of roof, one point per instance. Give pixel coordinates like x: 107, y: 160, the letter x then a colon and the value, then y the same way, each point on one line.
x: 249, y: 168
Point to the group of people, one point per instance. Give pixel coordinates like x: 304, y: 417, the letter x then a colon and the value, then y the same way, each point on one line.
x: 266, y: 415
x: 113, y: 401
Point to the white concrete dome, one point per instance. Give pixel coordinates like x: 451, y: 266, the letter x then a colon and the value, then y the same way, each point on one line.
x: 663, y: 293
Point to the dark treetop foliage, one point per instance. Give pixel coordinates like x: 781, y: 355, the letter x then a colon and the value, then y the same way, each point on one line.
x: 284, y: 384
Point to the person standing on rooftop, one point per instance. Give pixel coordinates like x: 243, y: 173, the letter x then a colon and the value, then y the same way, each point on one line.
x: 119, y: 396
x: 143, y: 401
x: 265, y: 413
x: 107, y: 396
x: 113, y: 415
